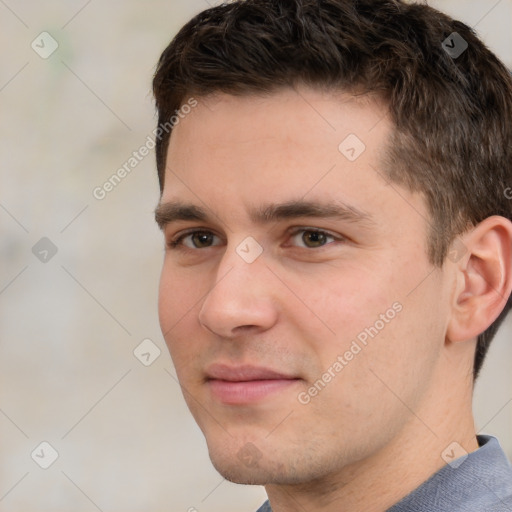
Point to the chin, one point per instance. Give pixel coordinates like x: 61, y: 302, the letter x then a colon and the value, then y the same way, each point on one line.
x: 243, y: 466
x: 238, y: 474
x: 249, y: 466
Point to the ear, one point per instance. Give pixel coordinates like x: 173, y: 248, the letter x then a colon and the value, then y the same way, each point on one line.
x: 483, y: 277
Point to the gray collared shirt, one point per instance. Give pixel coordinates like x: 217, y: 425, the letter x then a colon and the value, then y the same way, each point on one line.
x: 482, y: 482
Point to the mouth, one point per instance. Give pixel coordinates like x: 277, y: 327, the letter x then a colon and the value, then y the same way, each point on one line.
x: 242, y: 385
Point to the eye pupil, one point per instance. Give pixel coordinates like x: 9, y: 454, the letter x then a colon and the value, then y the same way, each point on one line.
x: 314, y: 238
x: 202, y: 239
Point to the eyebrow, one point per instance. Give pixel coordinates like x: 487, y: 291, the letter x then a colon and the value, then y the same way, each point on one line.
x: 166, y: 213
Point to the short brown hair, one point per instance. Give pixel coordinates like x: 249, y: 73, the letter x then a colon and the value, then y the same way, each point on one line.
x: 452, y: 113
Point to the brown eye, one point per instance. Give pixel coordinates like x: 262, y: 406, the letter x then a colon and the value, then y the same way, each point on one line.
x: 311, y: 238
x: 196, y: 240
x: 201, y: 240
x: 314, y: 238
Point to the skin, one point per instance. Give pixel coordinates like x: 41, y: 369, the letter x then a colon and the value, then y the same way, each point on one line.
x: 378, y: 429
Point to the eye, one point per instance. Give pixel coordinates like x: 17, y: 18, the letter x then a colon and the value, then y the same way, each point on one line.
x: 195, y: 240
x: 312, y: 238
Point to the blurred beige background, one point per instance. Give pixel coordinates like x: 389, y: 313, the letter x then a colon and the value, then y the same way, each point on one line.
x: 71, y: 319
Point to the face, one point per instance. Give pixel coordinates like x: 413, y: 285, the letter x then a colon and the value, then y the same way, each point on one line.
x: 296, y: 298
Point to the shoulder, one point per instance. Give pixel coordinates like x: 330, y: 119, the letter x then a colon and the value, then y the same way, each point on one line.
x: 266, y: 507
x: 498, y: 506
x: 477, y: 482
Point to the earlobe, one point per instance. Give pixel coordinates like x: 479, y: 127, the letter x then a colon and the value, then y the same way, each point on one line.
x: 483, y: 278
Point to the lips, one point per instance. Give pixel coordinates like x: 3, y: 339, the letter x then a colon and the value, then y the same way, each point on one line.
x: 243, y: 373
x: 245, y: 384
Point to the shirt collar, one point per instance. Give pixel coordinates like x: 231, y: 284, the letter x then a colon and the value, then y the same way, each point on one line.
x: 476, y: 480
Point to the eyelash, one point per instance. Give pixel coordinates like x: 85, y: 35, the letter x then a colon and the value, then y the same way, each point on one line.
x: 177, y: 242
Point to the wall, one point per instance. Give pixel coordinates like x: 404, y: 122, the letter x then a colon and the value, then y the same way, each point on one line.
x: 79, y: 272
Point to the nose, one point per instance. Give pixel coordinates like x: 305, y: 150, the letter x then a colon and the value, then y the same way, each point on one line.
x: 242, y: 300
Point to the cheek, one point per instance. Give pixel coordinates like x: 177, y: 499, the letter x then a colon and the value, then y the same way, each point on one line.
x: 375, y: 305
x: 168, y: 302
x: 347, y: 299
x: 180, y: 289
x: 399, y: 361
x: 178, y: 299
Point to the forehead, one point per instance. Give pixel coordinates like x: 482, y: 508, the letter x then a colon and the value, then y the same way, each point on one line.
x: 282, y: 133
x: 301, y: 116
x: 233, y: 152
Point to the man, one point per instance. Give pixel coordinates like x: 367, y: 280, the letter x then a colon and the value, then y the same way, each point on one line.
x: 339, y: 249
